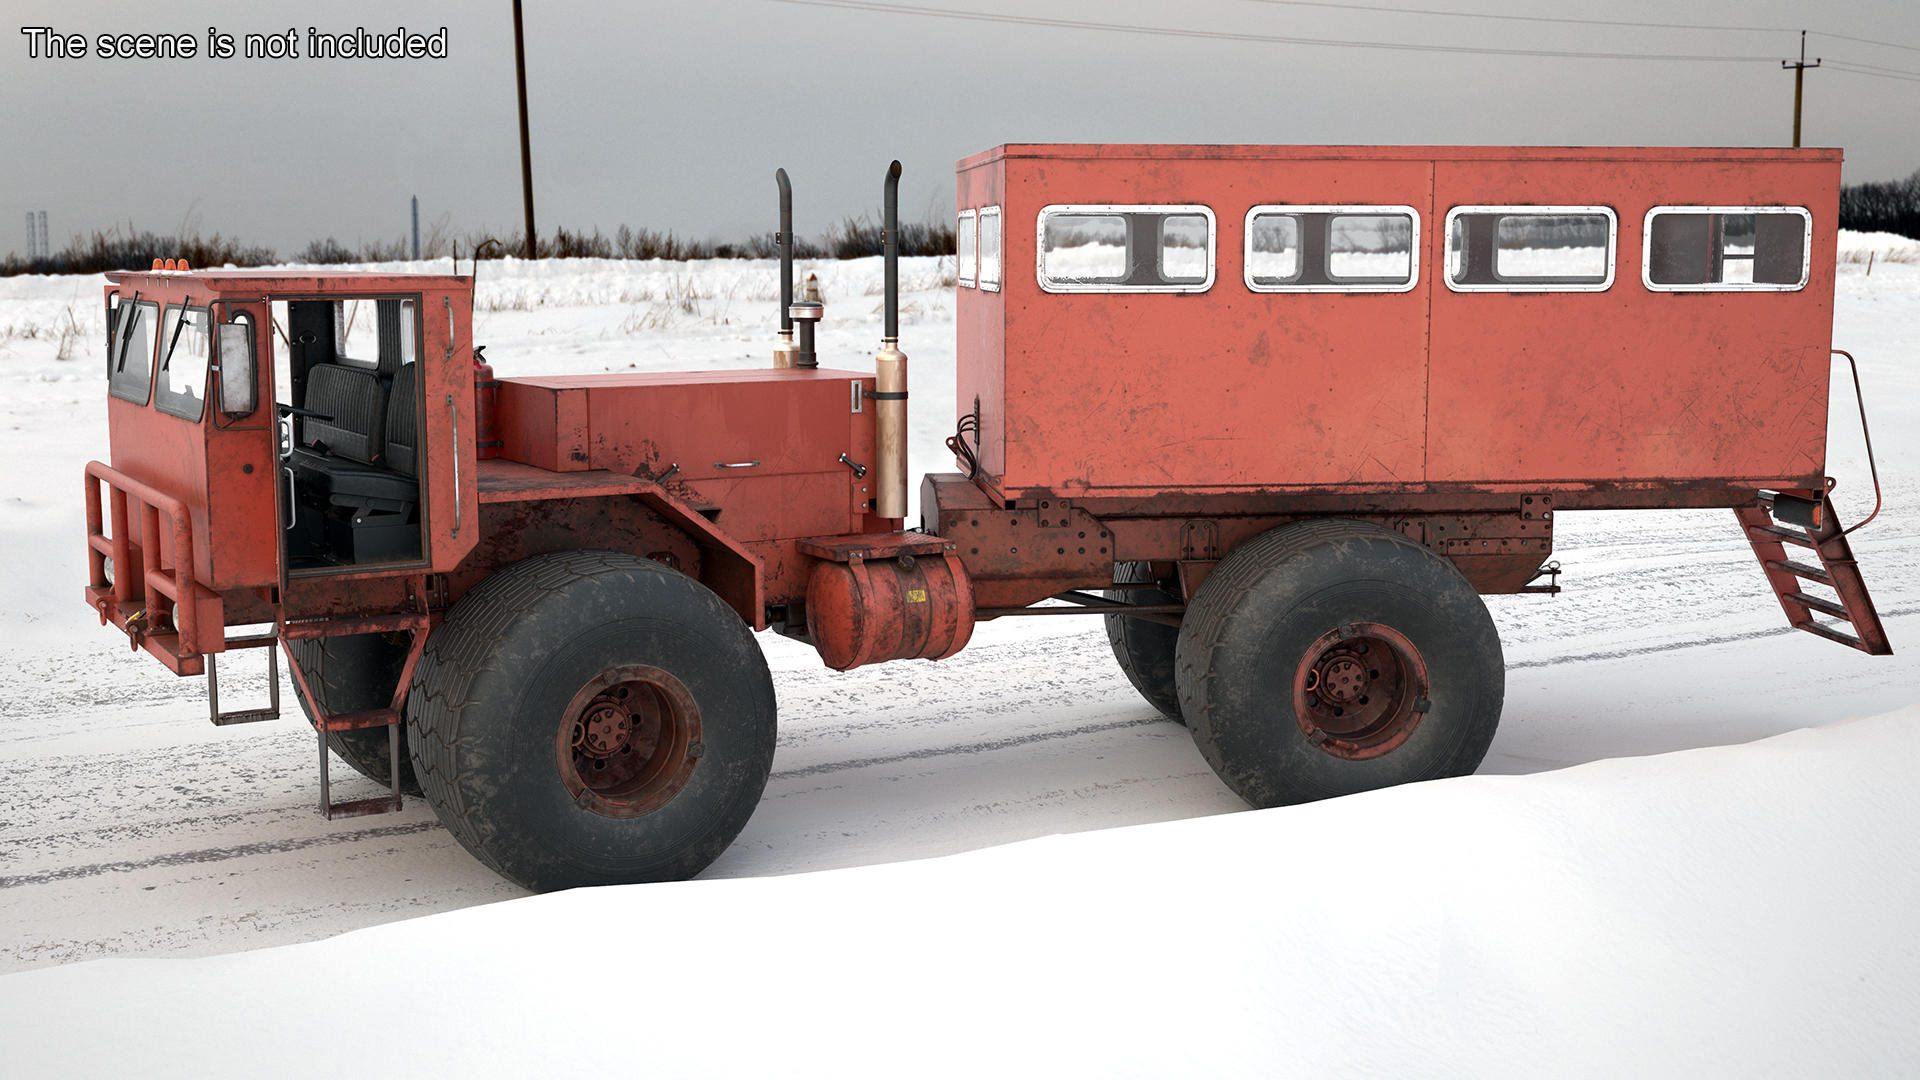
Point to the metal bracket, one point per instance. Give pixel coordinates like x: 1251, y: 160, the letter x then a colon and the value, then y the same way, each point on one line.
x: 1551, y: 572
x: 245, y: 716
x: 1199, y: 541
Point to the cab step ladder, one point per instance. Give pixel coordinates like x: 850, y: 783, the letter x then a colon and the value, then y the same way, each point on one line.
x: 1785, y: 520
x: 389, y: 718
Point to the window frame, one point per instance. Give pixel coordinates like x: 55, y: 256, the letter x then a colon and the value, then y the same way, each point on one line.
x: 966, y: 249
x: 1343, y: 210
x: 1646, y: 250
x: 999, y: 249
x: 1603, y: 285
x: 1162, y: 209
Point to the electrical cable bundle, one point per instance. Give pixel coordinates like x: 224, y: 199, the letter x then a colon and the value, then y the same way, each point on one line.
x: 957, y: 442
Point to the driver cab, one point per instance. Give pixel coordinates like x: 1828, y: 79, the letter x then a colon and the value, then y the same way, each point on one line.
x: 350, y: 420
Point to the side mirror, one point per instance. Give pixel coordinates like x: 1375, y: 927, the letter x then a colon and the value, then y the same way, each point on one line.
x: 238, y: 386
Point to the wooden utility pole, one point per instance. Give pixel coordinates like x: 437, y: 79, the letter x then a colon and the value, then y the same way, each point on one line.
x: 1799, y: 78
x: 526, y: 151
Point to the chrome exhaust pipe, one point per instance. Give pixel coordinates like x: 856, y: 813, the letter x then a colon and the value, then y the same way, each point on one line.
x: 785, y: 354
x: 890, y: 373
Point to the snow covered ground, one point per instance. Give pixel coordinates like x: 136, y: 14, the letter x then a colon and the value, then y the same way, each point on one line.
x: 1727, y: 910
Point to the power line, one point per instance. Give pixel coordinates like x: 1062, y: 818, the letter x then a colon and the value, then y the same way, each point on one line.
x: 1327, y: 4
x: 1262, y: 39
x: 1879, y: 73
x: 1525, y: 18
x: 1865, y: 41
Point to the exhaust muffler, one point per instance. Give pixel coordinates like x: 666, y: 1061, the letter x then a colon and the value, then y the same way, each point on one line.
x: 785, y: 354
x: 890, y: 373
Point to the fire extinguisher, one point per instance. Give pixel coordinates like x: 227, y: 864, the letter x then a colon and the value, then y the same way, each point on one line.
x: 485, y: 388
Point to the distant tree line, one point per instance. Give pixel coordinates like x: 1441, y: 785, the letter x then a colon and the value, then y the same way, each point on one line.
x: 852, y: 238
x: 1892, y: 206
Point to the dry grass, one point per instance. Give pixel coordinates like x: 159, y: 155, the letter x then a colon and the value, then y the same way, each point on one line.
x: 1896, y: 255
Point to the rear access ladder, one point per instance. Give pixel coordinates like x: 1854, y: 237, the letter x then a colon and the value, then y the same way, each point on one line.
x: 1786, y: 519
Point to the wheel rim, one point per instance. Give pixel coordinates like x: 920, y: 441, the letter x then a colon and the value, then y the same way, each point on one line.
x: 1360, y: 691
x: 629, y: 741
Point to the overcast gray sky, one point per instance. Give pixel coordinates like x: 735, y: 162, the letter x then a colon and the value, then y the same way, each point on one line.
x: 674, y: 115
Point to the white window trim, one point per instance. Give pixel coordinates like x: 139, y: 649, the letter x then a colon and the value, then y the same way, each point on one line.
x: 1646, y: 249
x: 1613, y: 250
x: 968, y: 227
x: 1246, y: 253
x: 1040, y: 245
x: 999, y: 252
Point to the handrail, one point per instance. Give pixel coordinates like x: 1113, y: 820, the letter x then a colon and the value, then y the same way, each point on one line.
x: 153, y: 581
x: 1860, y: 397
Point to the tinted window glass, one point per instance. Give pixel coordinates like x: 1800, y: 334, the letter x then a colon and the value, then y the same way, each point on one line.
x: 1727, y: 248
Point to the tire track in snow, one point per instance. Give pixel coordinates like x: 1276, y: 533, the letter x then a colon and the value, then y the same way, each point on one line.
x: 213, y: 855
x: 967, y: 748
x: 1616, y: 654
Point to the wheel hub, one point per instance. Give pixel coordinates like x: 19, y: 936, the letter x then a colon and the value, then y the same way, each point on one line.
x: 629, y: 741
x: 603, y: 731
x: 1360, y: 691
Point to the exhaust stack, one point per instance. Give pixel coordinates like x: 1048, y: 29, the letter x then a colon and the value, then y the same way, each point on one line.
x: 785, y: 354
x: 890, y: 374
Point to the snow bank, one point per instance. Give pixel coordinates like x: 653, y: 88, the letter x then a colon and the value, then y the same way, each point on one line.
x: 1731, y: 912
x: 1855, y: 245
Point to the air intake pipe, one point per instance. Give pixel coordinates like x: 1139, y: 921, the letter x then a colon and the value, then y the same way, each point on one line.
x: 785, y: 354
x: 890, y: 373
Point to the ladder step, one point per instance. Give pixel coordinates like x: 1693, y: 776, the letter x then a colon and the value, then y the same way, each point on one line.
x: 1825, y: 606
x: 379, y: 804
x: 1834, y: 635
x: 368, y: 718
x: 1775, y: 533
x: 1811, y: 573
x: 1836, y: 570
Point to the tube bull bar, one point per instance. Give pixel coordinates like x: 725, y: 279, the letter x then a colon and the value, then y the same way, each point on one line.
x: 161, y: 607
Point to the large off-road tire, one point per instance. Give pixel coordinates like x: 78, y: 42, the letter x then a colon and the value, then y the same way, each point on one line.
x: 1144, y: 648
x: 591, y: 718
x: 351, y: 674
x: 1330, y: 657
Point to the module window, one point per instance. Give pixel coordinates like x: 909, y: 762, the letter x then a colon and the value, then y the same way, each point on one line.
x: 1126, y: 249
x: 1332, y: 248
x: 990, y: 249
x: 1727, y: 248
x: 966, y: 238
x: 1531, y: 248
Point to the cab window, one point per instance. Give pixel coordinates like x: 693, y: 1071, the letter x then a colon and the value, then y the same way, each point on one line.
x: 185, y: 350
x: 130, y: 352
